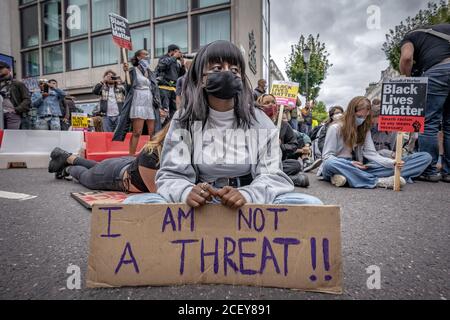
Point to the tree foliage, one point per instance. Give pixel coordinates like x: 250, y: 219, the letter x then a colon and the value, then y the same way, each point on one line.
x: 318, y: 66
x: 320, y: 112
x: 434, y: 14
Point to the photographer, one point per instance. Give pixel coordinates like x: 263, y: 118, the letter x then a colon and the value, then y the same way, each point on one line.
x: 15, y: 99
x: 170, y: 68
x: 47, y: 101
x: 112, y: 96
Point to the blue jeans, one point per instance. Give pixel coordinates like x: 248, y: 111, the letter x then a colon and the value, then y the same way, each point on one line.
x: 48, y: 123
x: 288, y: 198
x: 414, y: 166
x: 110, y: 124
x: 438, y: 109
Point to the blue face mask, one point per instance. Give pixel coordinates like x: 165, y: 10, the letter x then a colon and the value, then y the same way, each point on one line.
x: 360, y: 121
x: 144, y: 64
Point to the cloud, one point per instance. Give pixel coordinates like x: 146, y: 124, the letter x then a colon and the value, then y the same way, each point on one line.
x: 355, y: 51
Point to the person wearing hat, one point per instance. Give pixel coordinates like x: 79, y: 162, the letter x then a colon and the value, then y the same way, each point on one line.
x: 15, y: 99
x: 170, y: 68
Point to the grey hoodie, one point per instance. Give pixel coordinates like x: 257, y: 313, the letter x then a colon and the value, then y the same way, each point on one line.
x: 178, y: 175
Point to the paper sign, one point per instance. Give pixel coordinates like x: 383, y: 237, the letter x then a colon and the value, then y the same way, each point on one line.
x: 403, y: 105
x: 285, y: 92
x: 80, y: 120
x: 296, y: 247
x: 120, y: 30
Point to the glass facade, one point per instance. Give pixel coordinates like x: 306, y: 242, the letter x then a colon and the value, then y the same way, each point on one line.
x: 85, y: 41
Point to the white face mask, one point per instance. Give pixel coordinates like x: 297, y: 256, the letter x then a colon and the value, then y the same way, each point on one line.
x: 337, y: 117
x: 360, y: 121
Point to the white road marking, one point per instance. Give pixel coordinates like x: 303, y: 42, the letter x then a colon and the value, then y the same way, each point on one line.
x: 16, y: 196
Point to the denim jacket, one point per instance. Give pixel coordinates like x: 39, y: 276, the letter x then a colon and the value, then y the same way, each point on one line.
x: 49, y: 106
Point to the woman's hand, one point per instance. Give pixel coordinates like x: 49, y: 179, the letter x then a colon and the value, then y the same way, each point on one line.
x: 126, y: 67
x: 200, y: 194
x: 359, y: 165
x: 231, y: 198
x: 400, y: 165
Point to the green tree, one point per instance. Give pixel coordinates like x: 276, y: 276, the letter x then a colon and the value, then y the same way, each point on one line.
x: 318, y: 66
x: 320, y: 112
x: 434, y: 14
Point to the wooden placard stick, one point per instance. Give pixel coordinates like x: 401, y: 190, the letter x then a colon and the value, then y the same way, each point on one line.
x: 125, y: 60
x: 398, y: 159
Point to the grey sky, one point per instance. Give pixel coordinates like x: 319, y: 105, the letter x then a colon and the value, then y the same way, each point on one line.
x: 355, y: 51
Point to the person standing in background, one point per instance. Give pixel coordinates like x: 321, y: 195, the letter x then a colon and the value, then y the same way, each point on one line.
x: 260, y: 89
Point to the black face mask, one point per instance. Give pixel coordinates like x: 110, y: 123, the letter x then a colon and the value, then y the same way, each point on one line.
x: 223, y: 85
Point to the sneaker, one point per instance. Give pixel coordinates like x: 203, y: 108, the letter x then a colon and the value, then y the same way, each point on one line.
x: 314, y: 165
x: 388, y: 183
x: 58, y: 160
x: 434, y: 178
x: 338, y: 180
x: 300, y: 180
x: 446, y: 178
x: 63, y: 174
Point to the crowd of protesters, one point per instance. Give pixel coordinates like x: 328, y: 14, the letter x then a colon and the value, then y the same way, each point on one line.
x: 347, y: 149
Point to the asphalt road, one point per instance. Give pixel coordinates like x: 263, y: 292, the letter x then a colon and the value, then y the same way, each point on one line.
x: 406, y: 234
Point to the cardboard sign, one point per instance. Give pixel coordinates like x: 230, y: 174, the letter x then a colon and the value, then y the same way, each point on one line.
x: 120, y: 30
x: 285, y: 92
x: 296, y: 247
x: 403, y: 105
x: 89, y: 199
x: 80, y: 120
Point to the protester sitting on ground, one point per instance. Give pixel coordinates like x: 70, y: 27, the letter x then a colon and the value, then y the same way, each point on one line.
x: 15, y: 100
x: 142, y: 103
x: 350, y: 156
x: 48, y: 101
x: 218, y: 101
x: 126, y: 174
x: 112, y: 96
x: 288, y: 142
x: 319, y: 134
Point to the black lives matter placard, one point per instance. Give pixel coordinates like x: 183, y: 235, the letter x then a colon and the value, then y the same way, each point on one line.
x: 403, y: 105
x: 120, y: 30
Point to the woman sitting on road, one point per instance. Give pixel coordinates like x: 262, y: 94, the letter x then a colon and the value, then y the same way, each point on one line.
x: 218, y: 103
x: 350, y: 156
x: 127, y: 174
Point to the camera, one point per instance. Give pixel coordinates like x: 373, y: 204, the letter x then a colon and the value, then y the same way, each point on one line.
x: 46, y: 88
x: 189, y: 56
x: 115, y: 78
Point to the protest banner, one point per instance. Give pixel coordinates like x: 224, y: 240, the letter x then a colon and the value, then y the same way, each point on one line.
x: 80, y: 121
x: 120, y: 29
x: 297, y: 247
x: 403, y: 108
x: 285, y: 92
x: 89, y: 199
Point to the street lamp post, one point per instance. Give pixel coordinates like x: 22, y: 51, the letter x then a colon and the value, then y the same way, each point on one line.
x: 306, y: 58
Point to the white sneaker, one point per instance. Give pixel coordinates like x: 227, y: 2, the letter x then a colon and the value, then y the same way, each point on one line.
x: 338, y: 180
x: 388, y: 183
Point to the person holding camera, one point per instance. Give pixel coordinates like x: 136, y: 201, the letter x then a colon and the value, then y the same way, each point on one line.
x: 112, y: 96
x: 170, y: 68
x: 15, y: 99
x: 47, y: 102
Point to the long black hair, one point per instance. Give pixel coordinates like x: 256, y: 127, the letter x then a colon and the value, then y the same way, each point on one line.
x: 194, y: 103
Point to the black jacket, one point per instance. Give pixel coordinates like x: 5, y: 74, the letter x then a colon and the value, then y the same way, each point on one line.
x: 20, y: 97
x: 169, y: 71
x: 123, y: 127
x: 102, y: 90
x: 289, y: 143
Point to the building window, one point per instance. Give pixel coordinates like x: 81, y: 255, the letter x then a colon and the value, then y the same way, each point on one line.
x: 138, y: 36
x: 138, y: 10
x: 169, y: 7
x: 80, y: 27
x: 196, y: 4
x: 30, y: 64
x: 210, y: 27
x: 52, y: 59
x: 76, y: 55
x: 29, y: 26
x: 22, y: 2
x: 104, y: 51
x: 173, y: 32
x: 51, y: 21
x: 100, y: 13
